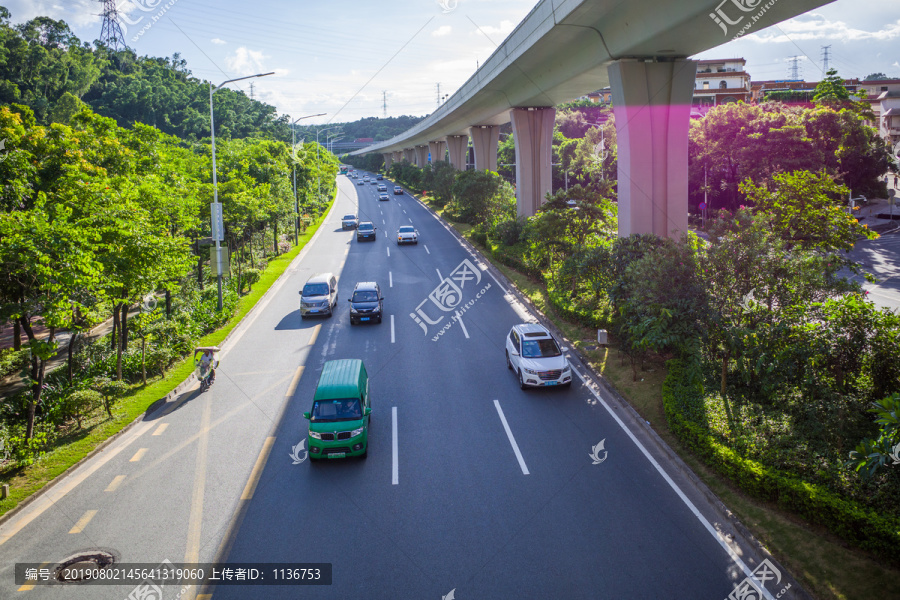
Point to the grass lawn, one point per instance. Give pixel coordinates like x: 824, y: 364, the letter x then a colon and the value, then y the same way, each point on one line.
x: 78, y: 443
x: 822, y: 563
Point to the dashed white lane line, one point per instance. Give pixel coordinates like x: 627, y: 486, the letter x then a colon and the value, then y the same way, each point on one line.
x: 395, y: 471
x: 426, y: 249
x: 410, y: 220
x: 512, y: 440
x: 441, y: 277
x: 461, y: 324
x: 388, y: 248
x: 392, y: 329
x: 390, y: 279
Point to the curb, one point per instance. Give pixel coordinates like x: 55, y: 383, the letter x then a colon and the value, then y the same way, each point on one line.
x: 635, y: 419
x: 164, y: 401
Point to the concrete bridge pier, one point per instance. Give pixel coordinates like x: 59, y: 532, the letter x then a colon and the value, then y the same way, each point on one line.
x: 398, y: 156
x: 388, y: 157
x: 533, y: 137
x: 438, y: 150
x: 422, y: 156
x: 458, y: 146
x: 409, y: 155
x: 652, y: 104
x: 485, y: 141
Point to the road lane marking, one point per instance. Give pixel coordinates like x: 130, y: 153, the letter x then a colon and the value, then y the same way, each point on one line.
x: 382, y: 222
x: 83, y: 521
x: 395, y: 471
x: 115, y: 483
x: 315, y: 335
x: 159, y: 430
x: 410, y: 220
x: 392, y: 329
x: 426, y: 248
x: 30, y: 586
x: 293, y: 387
x: 512, y: 440
x: 390, y: 279
x: 192, y: 549
x: 256, y: 473
x: 706, y: 524
x: 138, y: 455
x: 388, y: 248
x: 441, y: 277
x: 461, y: 324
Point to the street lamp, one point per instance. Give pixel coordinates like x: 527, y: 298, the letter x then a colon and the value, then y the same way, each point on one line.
x: 318, y: 174
x: 294, y: 161
x: 216, y: 208
x: 332, y: 139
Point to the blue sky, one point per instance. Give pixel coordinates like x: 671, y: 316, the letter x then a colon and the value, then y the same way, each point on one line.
x: 339, y: 56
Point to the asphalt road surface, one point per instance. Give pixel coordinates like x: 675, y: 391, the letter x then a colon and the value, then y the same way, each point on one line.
x: 881, y: 258
x: 472, y: 488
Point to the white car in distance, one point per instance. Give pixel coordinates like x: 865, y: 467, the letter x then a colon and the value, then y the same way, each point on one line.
x: 536, y: 358
x: 407, y: 234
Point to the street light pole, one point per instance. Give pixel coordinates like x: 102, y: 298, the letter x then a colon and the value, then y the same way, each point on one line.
x: 215, y: 209
x: 318, y: 175
x: 294, y: 162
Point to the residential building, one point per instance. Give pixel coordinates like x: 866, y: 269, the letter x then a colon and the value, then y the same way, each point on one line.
x: 721, y: 82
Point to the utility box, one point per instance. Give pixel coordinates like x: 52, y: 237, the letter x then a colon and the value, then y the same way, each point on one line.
x: 226, y: 261
x: 602, y: 337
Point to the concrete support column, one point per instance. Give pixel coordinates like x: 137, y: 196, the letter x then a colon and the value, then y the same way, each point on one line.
x: 652, y: 104
x: 409, y: 155
x: 485, y: 141
x: 388, y: 158
x: 533, y: 136
x: 458, y: 145
x: 422, y: 156
x: 438, y: 150
x: 398, y: 156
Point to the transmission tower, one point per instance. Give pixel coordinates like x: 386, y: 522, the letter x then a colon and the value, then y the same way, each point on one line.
x: 825, y: 57
x: 795, y: 67
x: 111, y: 35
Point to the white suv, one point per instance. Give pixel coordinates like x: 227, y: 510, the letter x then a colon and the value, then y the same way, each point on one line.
x: 319, y: 295
x: 533, y: 354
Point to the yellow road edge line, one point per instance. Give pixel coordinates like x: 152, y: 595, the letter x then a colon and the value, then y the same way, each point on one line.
x: 192, y: 551
x: 83, y: 521
x: 315, y: 335
x: 115, y: 483
x: 162, y: 427
x: 293, y: 387
x: 138, y: 455
x: 27, y: 587
x: 250, y: 488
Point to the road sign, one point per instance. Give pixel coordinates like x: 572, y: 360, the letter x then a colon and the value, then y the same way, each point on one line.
x: 226, y: 264
x: 218, y: 227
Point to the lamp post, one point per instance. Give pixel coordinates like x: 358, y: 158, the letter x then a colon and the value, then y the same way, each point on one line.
x: 294, y: 162
x: 318, y: 175
x: 332, y: 139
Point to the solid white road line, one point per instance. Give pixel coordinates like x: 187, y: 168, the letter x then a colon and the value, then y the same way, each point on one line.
x: 461, y: 324
x: 388, y: 248
x: 512, y: 440
x: 410, y: 220
x: 390, y: 279
x: 392, y: 329
x: 426, y: 249
x: 395, y: 472
x: 706, y: 524
x: 441, y: 277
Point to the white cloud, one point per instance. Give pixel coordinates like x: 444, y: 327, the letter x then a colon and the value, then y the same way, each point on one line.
x: 896, y: 64
x: 442, y: 31
x: 218, y: 42
x: 816, y: 27
x: 496, y: 32
x: 247, y: 60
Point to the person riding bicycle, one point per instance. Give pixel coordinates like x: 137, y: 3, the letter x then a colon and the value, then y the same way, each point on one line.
x: 207, y: 363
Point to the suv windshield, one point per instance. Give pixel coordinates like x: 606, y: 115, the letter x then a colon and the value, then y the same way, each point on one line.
x: 366, y: 226
x: 336, y: 410
x: 349, y: 217
x: 315, y: 289
x: 540, y: 348
x: 407, y: 229
x: 365, y: 296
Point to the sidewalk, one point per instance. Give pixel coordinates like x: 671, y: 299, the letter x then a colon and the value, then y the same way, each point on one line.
x: 15, y: 384
x: 868, y: 215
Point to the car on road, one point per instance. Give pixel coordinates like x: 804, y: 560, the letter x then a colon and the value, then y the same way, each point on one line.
x: 383, y: 197
x: 536, y: 358
x: 398, y: 191
x: 373, y: 182
x: 366, y: 303
x: 380, y: 177
x: 407, y: 234
x: 319, y: 295
x: 349, y: 222
x: 382, y: 187
x: 365, y: 231
x: 339, y: 419
x: 360, y: 182
x: 366, y: 178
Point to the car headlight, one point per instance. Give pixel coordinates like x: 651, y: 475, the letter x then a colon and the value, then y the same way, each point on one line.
x: 531, y: 372
x: 315, y: 435
x: 356, y: 432
x: 353, y: 310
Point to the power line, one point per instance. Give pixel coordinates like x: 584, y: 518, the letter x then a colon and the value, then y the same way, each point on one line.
x: 111, y: 33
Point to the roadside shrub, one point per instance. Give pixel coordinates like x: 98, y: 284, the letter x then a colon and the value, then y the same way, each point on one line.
x: 81, y: 403
x: 13, y: 361
x: 510, y: 232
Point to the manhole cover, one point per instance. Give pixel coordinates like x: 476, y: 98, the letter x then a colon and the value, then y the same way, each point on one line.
x: 84, y: 566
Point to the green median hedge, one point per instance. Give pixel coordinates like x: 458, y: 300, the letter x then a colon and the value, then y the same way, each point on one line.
x: 856, y: 525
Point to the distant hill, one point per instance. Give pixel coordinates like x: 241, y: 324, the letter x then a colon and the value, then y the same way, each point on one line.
x: 370, y: 127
